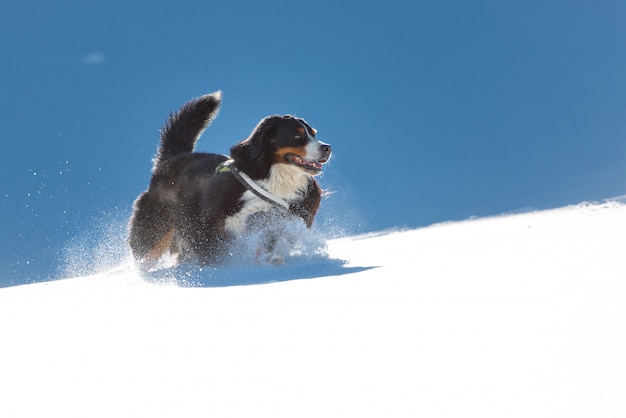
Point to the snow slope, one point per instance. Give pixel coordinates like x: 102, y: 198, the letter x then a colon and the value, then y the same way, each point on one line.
x: 512, y: 316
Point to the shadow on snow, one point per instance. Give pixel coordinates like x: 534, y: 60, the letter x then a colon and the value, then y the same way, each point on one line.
x: 295, y: 268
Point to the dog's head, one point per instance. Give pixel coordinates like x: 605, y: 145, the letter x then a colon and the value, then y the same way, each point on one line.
x: 281, y: 140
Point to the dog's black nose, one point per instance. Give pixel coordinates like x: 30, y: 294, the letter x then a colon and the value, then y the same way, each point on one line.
x: 326, y: 148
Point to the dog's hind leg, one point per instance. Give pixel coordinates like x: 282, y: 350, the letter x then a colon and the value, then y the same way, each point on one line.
x: 151, y: 228
x: 149, y: 260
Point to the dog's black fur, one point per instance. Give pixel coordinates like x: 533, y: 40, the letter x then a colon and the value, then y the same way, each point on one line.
x: 195, y: 211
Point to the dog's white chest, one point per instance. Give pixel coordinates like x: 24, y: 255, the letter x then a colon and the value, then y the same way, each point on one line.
x: 236, y: 224
x: 284, y: 182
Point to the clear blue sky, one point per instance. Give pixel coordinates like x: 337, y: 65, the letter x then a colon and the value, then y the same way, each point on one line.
x: 436, y: 110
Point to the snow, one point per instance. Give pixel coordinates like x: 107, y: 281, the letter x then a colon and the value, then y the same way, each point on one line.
x: 516, y: 315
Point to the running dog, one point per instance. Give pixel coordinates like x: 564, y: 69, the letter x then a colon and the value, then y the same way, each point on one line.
x: 198, y: 203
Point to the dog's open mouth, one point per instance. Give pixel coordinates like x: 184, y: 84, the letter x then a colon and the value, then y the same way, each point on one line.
x: 314, y: 166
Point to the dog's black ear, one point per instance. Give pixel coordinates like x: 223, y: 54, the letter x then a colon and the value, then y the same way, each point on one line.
x: 252, y: 147
x: 256, y: 143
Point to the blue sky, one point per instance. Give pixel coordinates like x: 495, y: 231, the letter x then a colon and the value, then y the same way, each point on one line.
x: 436, y: 110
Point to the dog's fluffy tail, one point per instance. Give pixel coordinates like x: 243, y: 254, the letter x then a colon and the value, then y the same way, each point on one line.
x: 183, y: 128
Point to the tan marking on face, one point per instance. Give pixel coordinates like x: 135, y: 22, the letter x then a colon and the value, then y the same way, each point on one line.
x: 279, y: 156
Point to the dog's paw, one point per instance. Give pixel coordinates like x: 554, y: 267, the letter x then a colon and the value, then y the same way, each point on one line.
x: 277, y: 260
x: 264, y: 257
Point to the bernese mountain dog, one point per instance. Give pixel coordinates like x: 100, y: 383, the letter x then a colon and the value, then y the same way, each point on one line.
x: 197, y: 203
